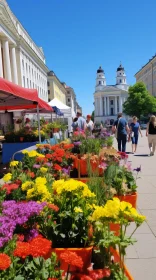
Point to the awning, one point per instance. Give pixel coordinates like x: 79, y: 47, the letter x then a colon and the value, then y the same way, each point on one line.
x: 57, y: 111
x: 14, y: 97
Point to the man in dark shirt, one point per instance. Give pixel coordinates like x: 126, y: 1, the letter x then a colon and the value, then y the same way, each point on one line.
x: 120, y: 128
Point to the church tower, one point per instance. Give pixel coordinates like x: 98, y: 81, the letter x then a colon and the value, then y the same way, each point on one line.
x: 100, y: 79
x: 121, y: 82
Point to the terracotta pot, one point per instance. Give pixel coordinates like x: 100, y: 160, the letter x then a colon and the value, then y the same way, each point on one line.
x: 131, y: 198
x: 21, y: 139
x: 84, y: 253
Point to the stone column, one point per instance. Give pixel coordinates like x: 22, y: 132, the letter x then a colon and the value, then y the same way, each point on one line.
x: 101, y: 106
x: 108, y: 106
x: 105, y: 105
x: 6, y: 59
x: 115, y: 105
x: 120, y: 104
x: 1, y: 65
x: 14, y: 64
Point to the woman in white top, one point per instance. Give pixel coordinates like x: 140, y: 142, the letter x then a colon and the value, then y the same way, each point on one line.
x: 89, y: 124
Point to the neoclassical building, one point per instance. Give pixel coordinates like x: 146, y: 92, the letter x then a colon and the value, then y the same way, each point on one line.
x: 108, y: 100
x: 21, y: 60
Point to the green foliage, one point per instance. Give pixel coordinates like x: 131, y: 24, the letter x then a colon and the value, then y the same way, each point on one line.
x: 91, y: 146
x: 139, y: 101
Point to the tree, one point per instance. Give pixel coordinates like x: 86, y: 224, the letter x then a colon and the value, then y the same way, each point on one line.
x: 139, y: 101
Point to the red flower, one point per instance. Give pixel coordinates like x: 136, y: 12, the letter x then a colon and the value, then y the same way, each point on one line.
x: 31, y: 174
x: 20, y: 237
x: 99, y: 274
x: 72, y: 258
x: 49, y: 156
x: 53, y: 207
x: 27, y: 120
x: 41, y: 159
x: 5, y: 261
x: 22, y: 249
x: 40, y: 246
x: 10, y: 187
x: 57, y: 167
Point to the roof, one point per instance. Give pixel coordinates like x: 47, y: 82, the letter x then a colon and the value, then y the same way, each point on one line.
x: 153, y: 57
x: 14, y: 97
x: 120, y: 68
x: 100, y: 70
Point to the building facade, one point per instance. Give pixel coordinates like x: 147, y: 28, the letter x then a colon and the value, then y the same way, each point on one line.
x: 108, y: 100
x: 71, y: 98
x: 147, y: 75
x: 56, y: 89
x: 21, y: 61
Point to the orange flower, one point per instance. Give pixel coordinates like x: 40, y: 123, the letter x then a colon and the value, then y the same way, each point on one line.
x: 53, y: 207
x: 5, y: 261
x: 40, y: 246
x: 22, y: 249
x: 49, y: 156
x: 72, y: 258
x: 40, y: 159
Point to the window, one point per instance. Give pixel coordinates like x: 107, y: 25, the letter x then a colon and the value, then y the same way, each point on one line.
x: 48, y: 91
x: 120, y: 81
x: 48, y: 84
x: 99, y: 82
x: 68, y: 99
x: 23, y: 81
x: 111, y: 102
x: 23, y: 64
x: 112, y: 111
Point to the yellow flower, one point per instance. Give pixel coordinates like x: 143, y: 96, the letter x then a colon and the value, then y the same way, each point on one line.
x: 30, y: 193
x: 14, y: 163
x: 26, y: 185
x: 24, y: 152
x: 125, y: 206
x: 7, y: 177
x: 78, y: 210
x: 40, y: 181
x: 43, y: 170
x: 32, y: 154
x: 40, y: 155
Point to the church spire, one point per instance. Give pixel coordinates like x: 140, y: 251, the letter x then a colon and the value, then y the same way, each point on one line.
x: 100, y: 79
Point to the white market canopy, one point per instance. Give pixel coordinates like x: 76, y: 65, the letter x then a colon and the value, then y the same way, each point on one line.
x: 68, y: 112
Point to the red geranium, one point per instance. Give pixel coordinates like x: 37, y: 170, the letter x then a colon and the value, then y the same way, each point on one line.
x: 49, y: 156
x: 72, y: 258
x: 20, y: 237
x: 5, y: 261
x: 41, y: 159
x: 31, y: 174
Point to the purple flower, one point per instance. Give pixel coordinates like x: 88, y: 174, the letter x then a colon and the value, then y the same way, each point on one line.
x: 48, y: 164
x: 36, y: 166
x: 66, y: 170
x: 16, y: 214
x: 78, y: 143
x: 138, y: 169
x: 32, y: 234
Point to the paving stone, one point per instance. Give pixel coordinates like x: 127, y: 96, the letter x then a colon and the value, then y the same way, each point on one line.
x: 144, y: 228
x: 142, y: 269
x: 146, y: 201
x: 145, y: 246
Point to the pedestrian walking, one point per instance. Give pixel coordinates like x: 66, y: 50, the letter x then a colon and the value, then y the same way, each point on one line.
x: 120, y: 128
x: 134, y: 133
x: 81, y: 121
x: 89, y: 124
x: 151, y: 134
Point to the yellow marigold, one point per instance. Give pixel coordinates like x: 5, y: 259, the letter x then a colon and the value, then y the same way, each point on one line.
x: 112, y: 208
x: 32, y: 154
x: 24, y: 152
x: 87, y: 193
x: 7, y: 177
x: 30, y: 193
x: 43, y: 170
x: 125, y: 206
x: 40, y: 155
x: 40, y: 181
x: 78, y: 210
x: 26, y: 185
x: 14, y: 163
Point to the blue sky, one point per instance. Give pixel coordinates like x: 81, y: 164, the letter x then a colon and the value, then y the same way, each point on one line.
x: 78, y: 36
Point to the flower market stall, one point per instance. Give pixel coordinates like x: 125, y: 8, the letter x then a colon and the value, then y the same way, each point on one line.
x: 12, y: 98
x: 56, y: 227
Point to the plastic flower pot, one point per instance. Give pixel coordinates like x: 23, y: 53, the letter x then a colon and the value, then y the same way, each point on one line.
x: 115, y: 228
x: 21, y: 139
x: 117, y: 259
x: 83, y: 167
x: 131, y: 198
x: 84, y: 253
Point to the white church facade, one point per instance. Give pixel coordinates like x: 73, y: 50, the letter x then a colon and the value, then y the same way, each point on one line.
x: 108, y: 100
